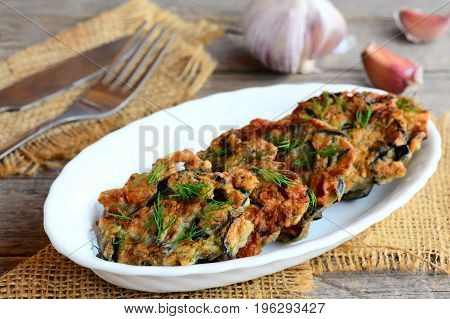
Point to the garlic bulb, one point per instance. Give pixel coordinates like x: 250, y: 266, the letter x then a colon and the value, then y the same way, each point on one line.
x: 289, y: 35
x: 390, y: 72
x: 419, y: 26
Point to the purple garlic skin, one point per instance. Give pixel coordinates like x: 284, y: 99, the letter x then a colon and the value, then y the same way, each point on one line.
x: 419, y: 26
x: 390, y: 72
x: 289, y: 35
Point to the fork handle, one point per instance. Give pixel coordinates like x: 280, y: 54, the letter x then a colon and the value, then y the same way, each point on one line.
x: 29, y: 135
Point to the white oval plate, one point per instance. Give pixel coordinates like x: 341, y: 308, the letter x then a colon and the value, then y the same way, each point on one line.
x: 71, y: 208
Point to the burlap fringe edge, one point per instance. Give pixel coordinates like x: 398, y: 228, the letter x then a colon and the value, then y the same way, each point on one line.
x: 388, y: 258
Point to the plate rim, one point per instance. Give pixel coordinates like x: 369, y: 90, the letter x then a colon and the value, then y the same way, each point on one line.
x: 373, y: 215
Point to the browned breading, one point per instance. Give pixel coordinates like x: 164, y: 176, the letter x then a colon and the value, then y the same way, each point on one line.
x: 384, y: 129
x: 272, y: 206
x: 319, y: 153
x: 272, y: 209
x: 186, y: 216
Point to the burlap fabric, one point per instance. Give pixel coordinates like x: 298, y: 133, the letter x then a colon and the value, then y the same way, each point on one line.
x: 415, y: 237
x: 181, y: 74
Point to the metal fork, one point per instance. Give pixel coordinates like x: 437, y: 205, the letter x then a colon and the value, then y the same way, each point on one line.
x: 130, y: 69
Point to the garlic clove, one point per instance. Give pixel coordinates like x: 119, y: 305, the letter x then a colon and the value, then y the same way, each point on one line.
x: 390, y: 72
x: 419, y: 26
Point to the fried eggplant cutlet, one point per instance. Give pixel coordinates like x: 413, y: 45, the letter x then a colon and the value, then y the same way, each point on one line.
x: 316, y: 151
x: 176, y: 215
x: 279, y: 201
x: 247, y: 149
x: 384, y: 129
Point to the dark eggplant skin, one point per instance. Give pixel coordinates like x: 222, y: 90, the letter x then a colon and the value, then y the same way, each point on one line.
x: 302, y: 228
x: 357, y: 193
x: 401, y: 151
x: 311, y: 113
x: 332, y: 133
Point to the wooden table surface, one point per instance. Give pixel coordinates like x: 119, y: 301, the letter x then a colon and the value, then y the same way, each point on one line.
x: 21, y: 198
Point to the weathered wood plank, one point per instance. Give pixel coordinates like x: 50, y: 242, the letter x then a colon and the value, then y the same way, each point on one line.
x: 384, y: 284
x: 21, y: 226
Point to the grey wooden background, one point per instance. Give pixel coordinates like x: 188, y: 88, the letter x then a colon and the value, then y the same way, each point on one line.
x: 21, y: 198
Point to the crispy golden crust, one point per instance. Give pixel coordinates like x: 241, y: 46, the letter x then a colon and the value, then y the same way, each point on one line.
x: 384, y: 129
x: 272, y: 207
x: 318, y: 152
x: 167, y: 228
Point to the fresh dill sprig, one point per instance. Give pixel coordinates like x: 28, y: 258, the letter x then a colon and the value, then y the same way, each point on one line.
x: 189, y: 191
x: 303, y: 161
x: 213, y: 205
x: 328, y: 152
x: 406, y: 105
x: 385, y: 126
x: 248, y: 158
x: 192, y: 232
x: 219, y: 152
x: 312, y: 198
x: 120, y: 216
x: 118, y: 241
x: 317, y: 107
x: 138, y: 240
x: 155, y: 174
x: 341, y: 102
x: 283, y: 143
x: 274, y: 176
x: 363, y: 116
x: 157, y: 217
x: 327, y: 99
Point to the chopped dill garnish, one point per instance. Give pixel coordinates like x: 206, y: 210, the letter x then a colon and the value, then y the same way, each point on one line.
x: 138, y: 240
x: 155, y: 174
x: 406, y: 105
x: 121, y: 216
x: 157, y: 217
x: 189, y: 191
x: 274, y: 176
x: 312, y: 198
x: 363, y: 116
x: 191, y: 233
x: 317, y: 108
x: 303, y: 161
x: 248, y: 158
x: 118, y: 241
x: 341, y: 102
x: 213, y: 205
x: 283, y: 143
x: 219, y: 152
x: 328, y: 152
x: 385, y: 126
x: 327, y: 99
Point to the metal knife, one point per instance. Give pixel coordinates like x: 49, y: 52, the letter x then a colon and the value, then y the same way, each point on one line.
x: 71, y: 72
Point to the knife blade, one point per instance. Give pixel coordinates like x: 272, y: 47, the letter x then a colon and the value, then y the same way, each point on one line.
x: 71, y: 72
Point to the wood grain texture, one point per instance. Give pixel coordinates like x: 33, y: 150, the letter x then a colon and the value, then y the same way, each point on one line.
x: 22, y: 198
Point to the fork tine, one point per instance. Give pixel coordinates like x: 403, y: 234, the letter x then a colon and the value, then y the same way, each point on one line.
x: 134, y: 60
x: 125, y: 52
x: 148, y: 64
